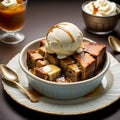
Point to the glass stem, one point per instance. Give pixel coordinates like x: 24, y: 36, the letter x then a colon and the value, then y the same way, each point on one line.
x: 12, y: 34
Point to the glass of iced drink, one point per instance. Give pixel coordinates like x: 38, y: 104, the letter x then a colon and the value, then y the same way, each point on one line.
x: 12, y: 19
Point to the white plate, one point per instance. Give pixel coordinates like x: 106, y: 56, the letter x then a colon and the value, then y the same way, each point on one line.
x: 107, y: 93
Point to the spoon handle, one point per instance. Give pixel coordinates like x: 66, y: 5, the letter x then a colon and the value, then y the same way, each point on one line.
x: 33, y: 95
x: 30, y: 93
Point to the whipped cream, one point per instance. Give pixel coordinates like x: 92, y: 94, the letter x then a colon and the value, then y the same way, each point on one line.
x: 101, y: 8
x: 64, y: 39
x: 8, y: 3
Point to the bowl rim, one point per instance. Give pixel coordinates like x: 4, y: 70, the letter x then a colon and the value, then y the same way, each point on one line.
x: 103, y: 71
x: 82, y: 6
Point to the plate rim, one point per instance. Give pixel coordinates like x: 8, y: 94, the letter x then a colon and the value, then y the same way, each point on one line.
x: 57, y: 113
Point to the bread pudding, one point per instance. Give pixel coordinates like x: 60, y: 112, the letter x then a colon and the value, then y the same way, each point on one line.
x: 76, y: 67
x: 64, y: 56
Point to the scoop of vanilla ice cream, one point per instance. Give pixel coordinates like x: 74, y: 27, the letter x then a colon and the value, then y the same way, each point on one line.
x: 64, y: 39
x: 101, y: 8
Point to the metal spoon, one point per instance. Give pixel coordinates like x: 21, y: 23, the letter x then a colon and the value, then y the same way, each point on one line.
x: 114, y: 43
x: 12, y: 77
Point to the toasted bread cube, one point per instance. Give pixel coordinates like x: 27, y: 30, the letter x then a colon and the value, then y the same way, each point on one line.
x: 49, y: 72
x: 43, y: 42
x: 52, y: 58
x: 53, y: 72
x: 65, y: 62
x: 32, y: 57
x: 42, y: 50
x: 97, y: 50
x: 38, y: 71
x: 87, y: 64
x: 40, y: 63
x: 73, y: 73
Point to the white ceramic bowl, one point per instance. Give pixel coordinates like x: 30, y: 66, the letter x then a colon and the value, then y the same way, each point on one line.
x: 60, y: 90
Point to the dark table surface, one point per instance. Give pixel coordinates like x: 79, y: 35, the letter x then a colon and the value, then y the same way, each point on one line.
x: 40, y: 17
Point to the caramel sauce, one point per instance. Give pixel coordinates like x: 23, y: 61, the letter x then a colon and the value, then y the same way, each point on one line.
x: 59, y: 27
x: 95, y: 10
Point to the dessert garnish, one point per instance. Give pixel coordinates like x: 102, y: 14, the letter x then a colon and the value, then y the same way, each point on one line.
x: 101, y: 8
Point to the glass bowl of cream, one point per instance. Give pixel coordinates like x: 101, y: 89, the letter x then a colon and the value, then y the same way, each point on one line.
x: 100, y: 16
